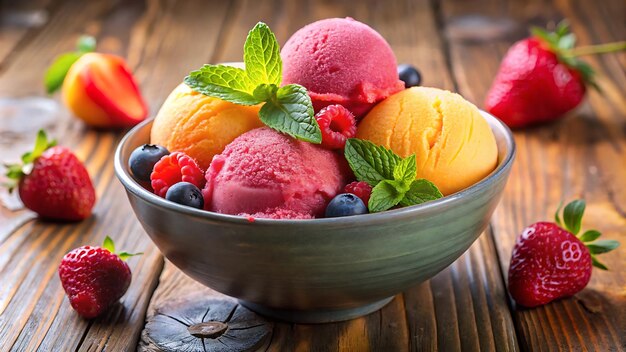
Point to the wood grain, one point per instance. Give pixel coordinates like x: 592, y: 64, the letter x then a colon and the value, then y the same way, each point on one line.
x: 456, y: 44
x: 438, y: 315
x: 579, y: 156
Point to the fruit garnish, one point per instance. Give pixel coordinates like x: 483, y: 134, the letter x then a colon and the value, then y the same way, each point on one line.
x: 185, y: 193
x: 345, y: 204
x: 337, y: 125
x: 52, y: 182
x: 95, y: 277
x: 361, y: 189
x: 552, y: 261
x: 393, y: 179
x: 287, y: 109
x: 409, y: 75
x: 541, y: 77
x: 143, y: 159
x: 101, y: 90
x: 174, y: 168
x: 56, y: 73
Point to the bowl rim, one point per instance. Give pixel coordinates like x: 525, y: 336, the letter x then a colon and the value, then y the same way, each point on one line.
x: 426, y: 208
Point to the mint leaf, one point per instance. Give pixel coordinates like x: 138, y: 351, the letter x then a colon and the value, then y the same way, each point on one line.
x: 108, y: 244
x: 55, y: 74
x: 384, y: 196
x: 370, y: 163
x: 291, y: 112
x: 405, y: 169
x: 421, y: 191
x: 225, y: 82
x: 261, y: 54
x: 264, y: 92
x: 86, y: 44
x: 602, y: 246
x: 590, y: 235
x: 573, y: 215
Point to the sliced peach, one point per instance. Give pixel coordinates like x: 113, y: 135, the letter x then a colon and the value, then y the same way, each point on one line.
x: 100, y: 90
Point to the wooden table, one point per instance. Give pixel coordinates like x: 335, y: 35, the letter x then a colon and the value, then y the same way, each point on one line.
x: 456, y: 44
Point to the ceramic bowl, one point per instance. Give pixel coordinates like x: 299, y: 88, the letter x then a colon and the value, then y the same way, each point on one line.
x: 320, y: 270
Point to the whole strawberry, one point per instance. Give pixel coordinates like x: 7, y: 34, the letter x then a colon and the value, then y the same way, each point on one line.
x: 541, y: 77
x: 94, y: 278
x: 550, y: 262
x: 52, y: 182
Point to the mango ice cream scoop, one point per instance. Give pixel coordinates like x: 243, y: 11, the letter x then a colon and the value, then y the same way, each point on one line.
x: 452, y: 142
x: 199, y: 125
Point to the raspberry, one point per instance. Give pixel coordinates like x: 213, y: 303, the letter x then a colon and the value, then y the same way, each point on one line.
x: 175, y: 168
x: 361, y: 189
x: 337, y: 124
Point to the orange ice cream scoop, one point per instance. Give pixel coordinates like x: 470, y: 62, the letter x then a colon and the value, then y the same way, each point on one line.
x: 453, y: 144
x: 199, y: 125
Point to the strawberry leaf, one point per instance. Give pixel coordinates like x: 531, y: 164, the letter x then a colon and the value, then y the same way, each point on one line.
x: 126, y: 255
x: 597, y: 264
x: 108, y: 244
x: 562, y: 28
x: 41, y: 145
x: 557, y: 218
x: 590, y: 235
x: 567, y: 41
x: 602, y: 246
x: 15, y: 172
x: 573, y: 215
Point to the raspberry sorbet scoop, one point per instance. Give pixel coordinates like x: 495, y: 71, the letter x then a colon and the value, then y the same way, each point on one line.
x: 266, y: 174
x: 341, y: 61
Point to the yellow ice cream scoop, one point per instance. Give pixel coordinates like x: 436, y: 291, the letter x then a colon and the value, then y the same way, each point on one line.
x: 453, y: 145
x: 199, y: 125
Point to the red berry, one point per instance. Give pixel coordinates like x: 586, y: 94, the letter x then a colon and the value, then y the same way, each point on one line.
x: 533, y: 86
x: 360, y: 189
x: 174, y: 168
x: 337, y: 124
x: 58, y: 185
x: 550, y: 262
x: 547, y: 263
x: 93, y: 279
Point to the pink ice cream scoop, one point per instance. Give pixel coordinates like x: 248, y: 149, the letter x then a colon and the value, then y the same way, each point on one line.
x: 266, y: 174
x: 341, y: 61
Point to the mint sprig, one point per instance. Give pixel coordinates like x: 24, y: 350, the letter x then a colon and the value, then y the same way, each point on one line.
x: 572, y: 222
x: 392, y: 177
x: 287, y: 109
x: 55, y: 74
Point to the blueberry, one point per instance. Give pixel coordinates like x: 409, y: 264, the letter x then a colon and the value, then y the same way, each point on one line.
x: 410, y: 75
x: 185, y: 193
x: 345, y: 204
x: 143, y: 158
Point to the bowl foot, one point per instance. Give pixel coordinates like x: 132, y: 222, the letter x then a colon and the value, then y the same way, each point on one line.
x: 316, y: 316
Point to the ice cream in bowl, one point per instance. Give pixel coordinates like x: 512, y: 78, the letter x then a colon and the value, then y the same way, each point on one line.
x: 314, y: 204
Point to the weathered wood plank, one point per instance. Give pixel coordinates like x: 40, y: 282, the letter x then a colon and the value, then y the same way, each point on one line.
x: 579, y: 156
x: 19, y: 21
x: 34, y: 313
x: 424, y: 317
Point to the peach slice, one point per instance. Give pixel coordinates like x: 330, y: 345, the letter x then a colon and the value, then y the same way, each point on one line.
x: 100, y: 90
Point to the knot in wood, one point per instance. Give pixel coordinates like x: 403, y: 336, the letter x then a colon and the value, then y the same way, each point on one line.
x: 209, y: 329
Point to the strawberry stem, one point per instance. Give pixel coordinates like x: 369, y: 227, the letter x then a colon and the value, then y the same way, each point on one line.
x: 597, y: 49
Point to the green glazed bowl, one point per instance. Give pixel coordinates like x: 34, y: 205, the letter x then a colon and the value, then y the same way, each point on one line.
x: 320, y: 270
